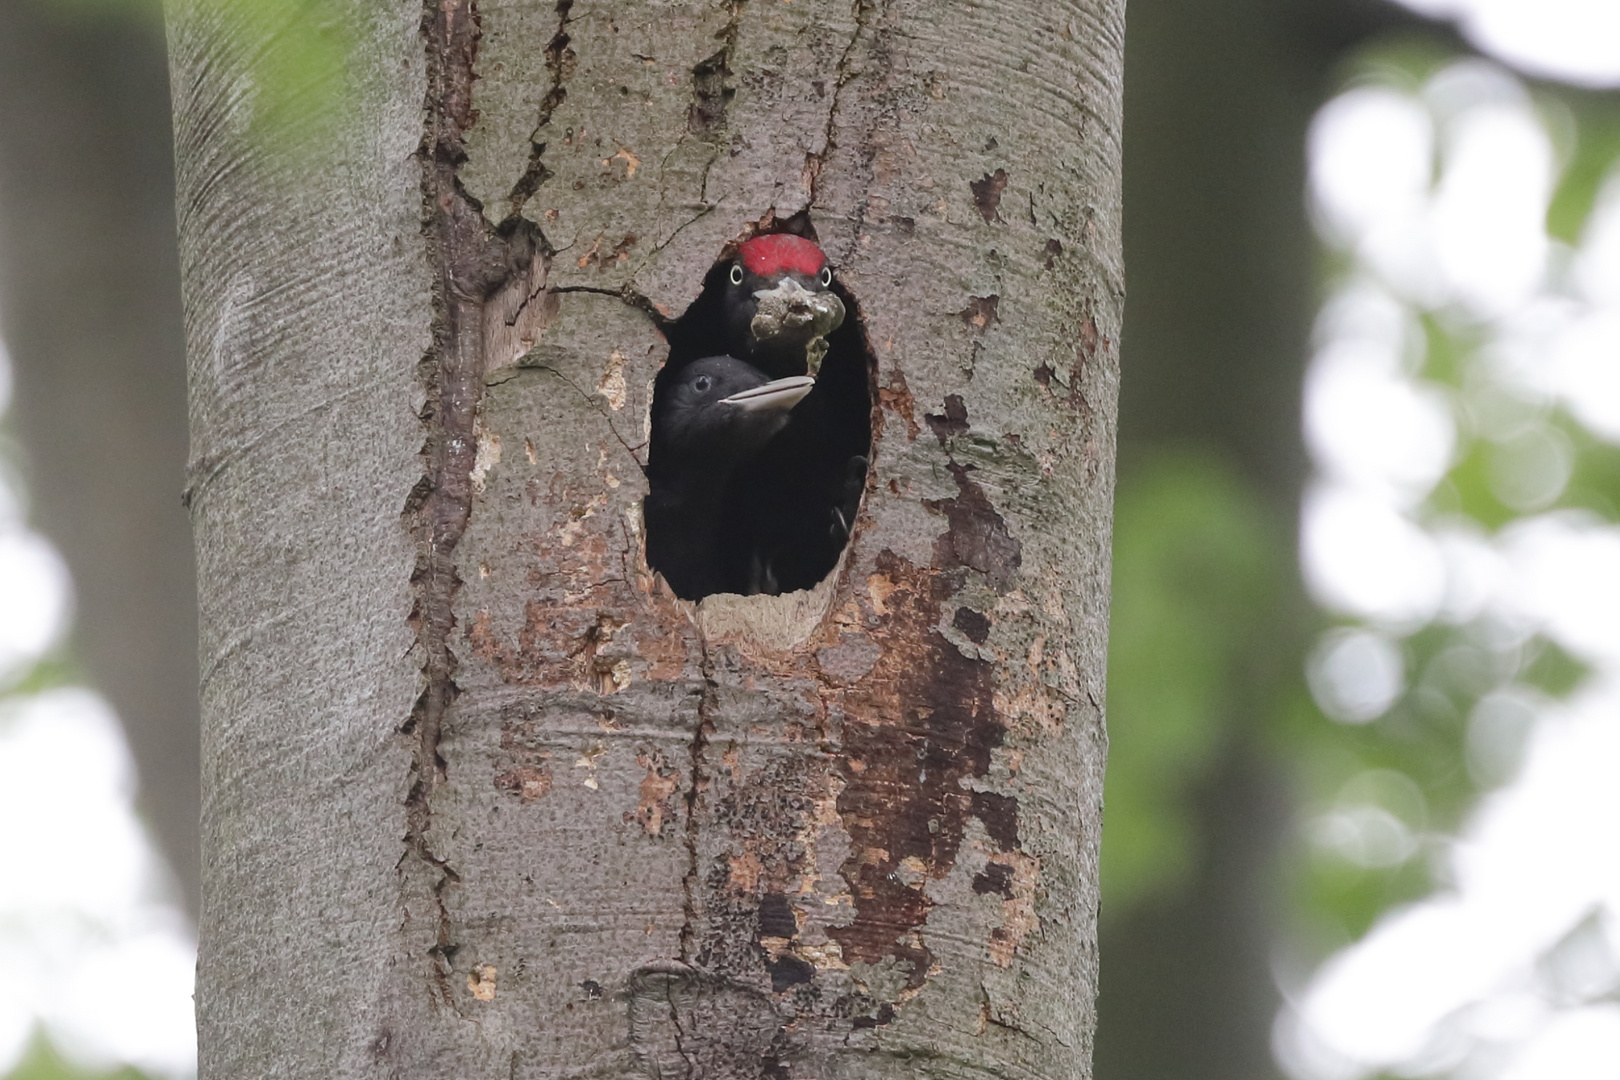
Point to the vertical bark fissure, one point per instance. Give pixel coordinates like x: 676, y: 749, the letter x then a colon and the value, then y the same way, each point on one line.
x: 560, y: 64
x: 471, y: 260
x: 816, y: 159
x: 690, y: 884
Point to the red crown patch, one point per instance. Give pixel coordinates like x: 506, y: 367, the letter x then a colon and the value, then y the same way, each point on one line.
x: 782, y: 252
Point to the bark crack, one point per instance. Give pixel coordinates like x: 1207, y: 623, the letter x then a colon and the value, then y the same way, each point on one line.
x: 560, y: 62
x: 472, y: 260
x: 680, y: 1032
x: 690, y: 883
x: 816, y: 159
x: 591, y: 400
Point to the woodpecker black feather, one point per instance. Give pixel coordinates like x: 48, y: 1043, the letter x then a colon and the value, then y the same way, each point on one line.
x: 710, y: 418
x: 790, y: 502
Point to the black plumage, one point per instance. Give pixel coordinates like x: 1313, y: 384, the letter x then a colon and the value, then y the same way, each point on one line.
x: 789, y: 503
x: 709, y: 419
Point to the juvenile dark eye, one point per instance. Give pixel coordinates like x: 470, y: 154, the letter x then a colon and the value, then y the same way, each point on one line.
x: 702, y: 383
x: 826, y: 276
x: 736, y: 273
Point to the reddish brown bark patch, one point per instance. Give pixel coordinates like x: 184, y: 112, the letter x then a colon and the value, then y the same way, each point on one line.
x: 978, y: 536
x: 922, y: 722
x: 655, y: 806
x: 980, y: 314
x: 896, y: 398
x: 987, y: 194
x: 527, y: 782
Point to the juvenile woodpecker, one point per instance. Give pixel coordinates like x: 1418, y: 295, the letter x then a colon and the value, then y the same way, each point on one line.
x: 710, y: 419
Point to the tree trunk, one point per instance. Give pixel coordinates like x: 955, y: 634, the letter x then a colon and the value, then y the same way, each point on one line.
x: 481, y: 797
x: 89, y: 290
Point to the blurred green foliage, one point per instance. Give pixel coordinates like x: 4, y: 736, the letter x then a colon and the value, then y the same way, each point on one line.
x: 1202, y: 583
x: 1196, y: 569
x: 42, y: 1062
x: 295, y: 58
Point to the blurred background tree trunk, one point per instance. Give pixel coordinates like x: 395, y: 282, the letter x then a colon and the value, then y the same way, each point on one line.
x: 90, y: 303
x: 1218, y: 97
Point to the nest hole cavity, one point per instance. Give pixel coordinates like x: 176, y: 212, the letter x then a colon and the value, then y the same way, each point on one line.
x: 761, y: 425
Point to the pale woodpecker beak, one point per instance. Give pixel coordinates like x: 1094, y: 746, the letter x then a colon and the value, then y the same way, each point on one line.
x: 780, y: 395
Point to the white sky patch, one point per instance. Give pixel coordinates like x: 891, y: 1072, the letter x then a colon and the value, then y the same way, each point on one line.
x: 1487, y: 214
x: 90, y: 943
x: 1363, y: 557
x: 92, y: 946
x: 1575, y: 41
x: 1370, y: 425
x: 1371, y: 158
x: 34, y: 598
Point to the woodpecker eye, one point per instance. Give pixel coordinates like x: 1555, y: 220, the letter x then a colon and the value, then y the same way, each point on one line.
x: 736, y: 273
x: 702, y: 383
x: 826, y: 276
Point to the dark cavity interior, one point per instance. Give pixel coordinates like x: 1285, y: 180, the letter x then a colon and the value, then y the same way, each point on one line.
x: 764, y: 507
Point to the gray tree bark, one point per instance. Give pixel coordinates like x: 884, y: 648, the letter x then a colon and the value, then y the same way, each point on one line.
x: 481, y: 798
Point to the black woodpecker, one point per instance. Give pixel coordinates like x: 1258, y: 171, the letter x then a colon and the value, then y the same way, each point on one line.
x: 710, y: 419
x: 796, y: 500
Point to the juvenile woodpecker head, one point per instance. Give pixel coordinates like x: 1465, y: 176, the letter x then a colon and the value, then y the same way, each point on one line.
x: 718, y: 411
x: 779, y: 307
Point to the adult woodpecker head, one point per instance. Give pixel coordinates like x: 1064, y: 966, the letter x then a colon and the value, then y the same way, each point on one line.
x: 778, y: 304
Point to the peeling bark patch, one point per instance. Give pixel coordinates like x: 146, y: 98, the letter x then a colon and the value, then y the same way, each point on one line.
x: 1072, y: 393
x: 973, y: 625
x: 656, y: 790
x: 896, y: 398
x: 788, y: 971
x: 1076, y: 397
x: 987, y: 194
x: 710, y: 94
x: 776, y: 918
x: 1017, y: 873
x: 1000, y: 816
x: 954, y: 421
x: 527, y: 782
x: 885, y: 1015
x: 921, y: 723
x: 712, y: 91
x: 606, y: 260
x: 994, y: 878
x: 481, y: 981
x: 980, y: 314
x: 977, y: 537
